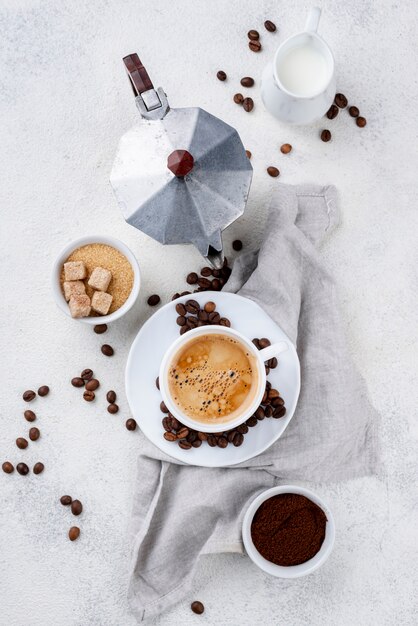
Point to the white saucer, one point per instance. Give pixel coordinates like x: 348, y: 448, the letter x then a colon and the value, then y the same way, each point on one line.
x: 143, y: 365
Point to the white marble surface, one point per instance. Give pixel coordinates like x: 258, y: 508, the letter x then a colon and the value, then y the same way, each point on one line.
x: 64, y: 102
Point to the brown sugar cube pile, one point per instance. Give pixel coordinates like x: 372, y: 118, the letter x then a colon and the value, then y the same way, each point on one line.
x: 79, y: 306
x: 101, y: 302
x: 100, y: 279
x: 73, y: 288
x: 74, y: 270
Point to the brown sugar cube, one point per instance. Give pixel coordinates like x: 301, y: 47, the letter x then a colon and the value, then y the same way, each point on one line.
x: 73, y: 288
x: 100, y: 279
x: 101, y: 302
x: 74, y: 270
x: 80, y: 306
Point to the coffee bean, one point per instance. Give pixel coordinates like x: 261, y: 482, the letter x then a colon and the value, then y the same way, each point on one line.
x: 272, y: 363
x: 154, y: 300
x: 99, y: 329
x: 175, y: 296
x: 273, y: 393
x: 163, y: 407
x: 185, y: 293
x: 332, y: 112
x: 264, y: 342
x: 157, y: 382
x: 29, y: 395
x: 22, y: 469
x: 181, y: 309
x: 21, y: 443
x: 243, y: 429
x: 206, y: 271
x: 212, y: 441
x: 192, y: 278
x: 185, y: 445
x: 248, y: 153
x: 254, y: 45
x: 192, y: 321
x: 230, y: 435
x: 204, y: 283
x: 30, y: 416
x: 73, y: 533
x: 216, y: 285
x: 107, y: 350
x: 238, y: 439
x: 92, y: 384
x: 268, y: 411
x: 130, y: 424
x: 353, y: 111
x: 270, y: 26
x: 266, y: 367
x: 221, y: 75
x: 209, y: 307
x: 66, y: 500
x: 38, y: 468
x: 192, y: 306
x: 340, y: 100
x: 89, y: 396
x: 237, y: 245
x: 181, y: 320
x: 279, y: 412
x: 34, y: 433
x: 169, y: 436
x: 7, y: 467
x: 76, y: 507
x: 113, y: 408
x: 361, y: 122
x: 43, y: 391
x: 87, y: 374
x: 175, y: 423
x: 248, y: 104
x: 224, y: 321
x: 197, y: 443
x: 251, y: 421
x: 214, y: 317
x: 192, y: 436
x: 277, y: 402
x: 286, y: 148
x: 166, y: 422
x: 238, y: 98
x: 247, y: 81
x: 273, y: 171
x: 259, y: 414
x: 256, y: 342
x: 253, y: 34
x: 264, y: 399
x: 184, y: 329
x: 77, y: 382
x: 182, y: 433
x: 222, y: 442
x: 326, y: 135
x: 111, y: 396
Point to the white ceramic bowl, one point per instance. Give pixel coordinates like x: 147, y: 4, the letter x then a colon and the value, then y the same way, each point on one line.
x: 293, y: 571
x: 83, y: 241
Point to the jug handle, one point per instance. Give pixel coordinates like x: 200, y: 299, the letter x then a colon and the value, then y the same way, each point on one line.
x: 138, y: 75
x: 312, y: 21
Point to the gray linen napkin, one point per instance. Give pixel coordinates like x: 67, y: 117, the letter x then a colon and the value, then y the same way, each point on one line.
x: 180, y: 511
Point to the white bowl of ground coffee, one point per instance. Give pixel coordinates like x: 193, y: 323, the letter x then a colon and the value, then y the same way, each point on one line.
x: 96, y: 279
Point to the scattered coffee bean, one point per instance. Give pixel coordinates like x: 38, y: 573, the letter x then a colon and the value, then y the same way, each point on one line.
x: 247, y: 81
x: 361, y: 122
x: 169, y: 436
x: 286, y: 148
x: 73, y: 533
x: 22, y: 469
x: 248, y: 153
x: 107, y: 350
x: 30, y: 416
x: 214, y: 317
x: 273, y: 171
x: 182, y: 433
x: 43, y: 391
x: 251, y: 421
x: 89, y: 396
x: 154, y: 300
x: 222, y: 442
x: 243, y: 429
x: 268, y: 411
x: 113, y: 408
x: 38, y: 468
x: 181, y: 320
x: 354, y: 112
x: 238, y: 439
x: 270, y: 26
x: 254, y: 45
x: 192, y: 306
x: 237, y: 245
x: 209, y: 307
x: 192, y: 278
x: 76, y: 507
x: 77, y: 382
x: 264, y: 342
x: 280, y: 411
x: 248, y: 104
x: 253, y: 34
x: 340, y: 100
x: 221, y: 75
x: 175, y: 296
x: 224, y: 321
x: 196, y: 444
x: 66, y: 500
x: 29, y: 395
x: 157, y: 382
x: 185, y: 445
x: 92, y: 384
x: 87, y: 374
x: 181, y: 309
x: 238, y: 98
x: 130, y: 424
x: 34, y: 433
x: 326, y: 135
x: 111, y: 396
x: 332, y: 112
x: 99, y: 329
x: 7, y: 467
x: 206, y: 271
x: 204, y: 283
x: 22, y: 443
x: 197, y: 607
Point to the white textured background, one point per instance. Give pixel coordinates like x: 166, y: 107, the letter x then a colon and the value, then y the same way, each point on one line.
x: 65, y: 101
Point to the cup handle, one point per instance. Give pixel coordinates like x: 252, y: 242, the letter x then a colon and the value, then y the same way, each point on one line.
x: 312, y: 22
x: 273, y: 350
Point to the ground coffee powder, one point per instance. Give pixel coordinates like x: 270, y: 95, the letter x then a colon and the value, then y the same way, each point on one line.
x: 288, y: 529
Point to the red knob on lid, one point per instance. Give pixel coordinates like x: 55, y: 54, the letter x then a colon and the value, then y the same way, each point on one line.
x: 180, y: 162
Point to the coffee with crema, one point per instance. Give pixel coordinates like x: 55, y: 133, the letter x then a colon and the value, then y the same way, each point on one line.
x: 213, y: 376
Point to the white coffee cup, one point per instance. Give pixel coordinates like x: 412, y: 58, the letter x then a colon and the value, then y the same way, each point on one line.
x: 298, y: 87
x: 260, y: 356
